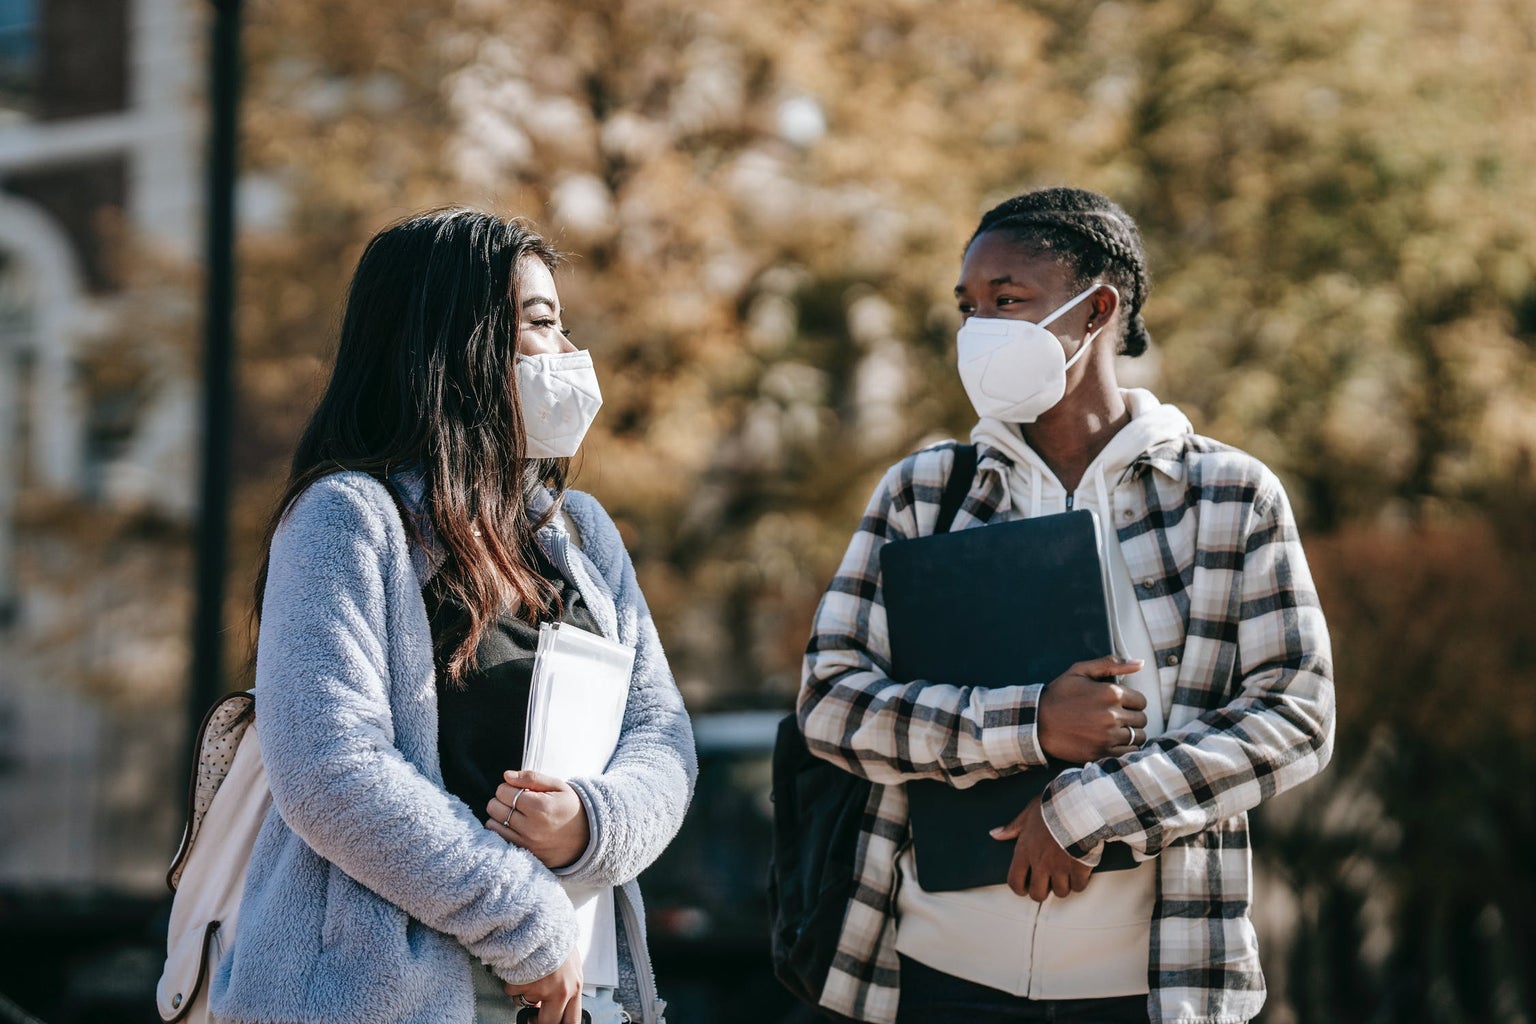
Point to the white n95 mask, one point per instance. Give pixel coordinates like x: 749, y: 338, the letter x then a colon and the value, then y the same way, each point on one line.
x: 559, y: 397
x: 1014, y: 370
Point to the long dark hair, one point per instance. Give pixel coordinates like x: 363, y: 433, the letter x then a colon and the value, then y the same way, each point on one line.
x: 424, y: 380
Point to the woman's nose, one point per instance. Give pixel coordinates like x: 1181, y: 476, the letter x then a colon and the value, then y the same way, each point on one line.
x: 544, y: 344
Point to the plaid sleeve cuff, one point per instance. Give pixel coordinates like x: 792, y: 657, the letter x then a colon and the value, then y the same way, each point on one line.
x: 1070, y: 812
x: 1009, y: 735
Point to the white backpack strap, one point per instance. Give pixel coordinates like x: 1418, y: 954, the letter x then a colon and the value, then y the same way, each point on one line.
x: 229, y: 800
x: 217, y: 740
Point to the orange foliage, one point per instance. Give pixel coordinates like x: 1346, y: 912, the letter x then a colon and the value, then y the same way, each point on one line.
x: 1434, y: 634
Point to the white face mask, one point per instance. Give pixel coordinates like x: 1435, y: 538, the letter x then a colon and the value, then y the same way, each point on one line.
x: 1014, y: 370
x: 560, y: 398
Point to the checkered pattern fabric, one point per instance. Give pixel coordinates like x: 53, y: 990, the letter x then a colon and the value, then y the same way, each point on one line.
x: 1244, y: 663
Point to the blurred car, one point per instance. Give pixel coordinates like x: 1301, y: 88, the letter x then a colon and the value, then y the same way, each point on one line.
x: 80, y: 956
x: 706, y: 896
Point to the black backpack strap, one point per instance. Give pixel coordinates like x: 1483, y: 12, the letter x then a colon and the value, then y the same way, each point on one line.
x: 961, y: 474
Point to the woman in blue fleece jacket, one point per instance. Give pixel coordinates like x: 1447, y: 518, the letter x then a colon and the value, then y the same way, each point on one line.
x: 425, y: 534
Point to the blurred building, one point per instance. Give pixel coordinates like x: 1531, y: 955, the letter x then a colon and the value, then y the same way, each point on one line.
x: 99, y: 178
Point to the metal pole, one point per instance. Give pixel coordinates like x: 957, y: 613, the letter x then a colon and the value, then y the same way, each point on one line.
x: 207, y: 683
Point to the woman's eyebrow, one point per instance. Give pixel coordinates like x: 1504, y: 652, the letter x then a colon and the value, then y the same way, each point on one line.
x: 995, y: 282
x: 535, y: 300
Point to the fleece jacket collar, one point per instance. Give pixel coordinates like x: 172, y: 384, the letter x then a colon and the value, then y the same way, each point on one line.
x: 555, y: 538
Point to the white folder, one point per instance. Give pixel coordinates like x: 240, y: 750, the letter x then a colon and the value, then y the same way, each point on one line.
x: 575, y: 713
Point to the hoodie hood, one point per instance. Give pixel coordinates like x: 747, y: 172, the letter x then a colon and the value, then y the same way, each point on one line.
x: 1152, y: 423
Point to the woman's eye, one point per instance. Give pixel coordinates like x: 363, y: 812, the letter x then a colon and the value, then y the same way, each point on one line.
x: 546, y: 323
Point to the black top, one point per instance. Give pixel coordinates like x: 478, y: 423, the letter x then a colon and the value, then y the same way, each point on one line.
x: 480, y: 723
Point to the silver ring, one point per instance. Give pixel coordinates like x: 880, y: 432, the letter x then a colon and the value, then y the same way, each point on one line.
x: 520, y: 999
x: 1132, y: 741
x: 511, y: 810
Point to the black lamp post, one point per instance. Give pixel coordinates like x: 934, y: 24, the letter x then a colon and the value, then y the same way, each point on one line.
x: 207, y: 682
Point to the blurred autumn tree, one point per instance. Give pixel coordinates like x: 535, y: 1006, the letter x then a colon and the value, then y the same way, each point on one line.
x: 767, y: 201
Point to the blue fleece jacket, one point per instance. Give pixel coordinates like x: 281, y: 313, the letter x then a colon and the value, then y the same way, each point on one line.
x: 371, y: 890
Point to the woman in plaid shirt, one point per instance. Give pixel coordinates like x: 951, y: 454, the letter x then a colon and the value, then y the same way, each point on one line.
x: 1224, y: 696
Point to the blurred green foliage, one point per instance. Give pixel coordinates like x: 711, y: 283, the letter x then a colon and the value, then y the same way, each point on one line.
x: 767, y: 202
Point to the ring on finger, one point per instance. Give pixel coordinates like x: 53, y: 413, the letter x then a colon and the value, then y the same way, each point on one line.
x: 512, y: 808
x: 521, y: 1000
x: 1131, y: 742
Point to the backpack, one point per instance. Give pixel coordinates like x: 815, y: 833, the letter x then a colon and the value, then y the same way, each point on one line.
x: 818, y: 813
x: 228, y: 799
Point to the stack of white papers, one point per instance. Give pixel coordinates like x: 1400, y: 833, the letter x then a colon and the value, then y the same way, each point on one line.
x: 575, y: 714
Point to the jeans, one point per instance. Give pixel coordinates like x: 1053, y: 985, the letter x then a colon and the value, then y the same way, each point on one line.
x: 494, y: 1006
x: 933, y: 997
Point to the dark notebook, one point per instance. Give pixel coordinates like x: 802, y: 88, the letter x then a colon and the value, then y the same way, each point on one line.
x: 1004, y: 605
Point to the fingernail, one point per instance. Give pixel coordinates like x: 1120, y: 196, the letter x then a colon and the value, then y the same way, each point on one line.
x: 996, y: 833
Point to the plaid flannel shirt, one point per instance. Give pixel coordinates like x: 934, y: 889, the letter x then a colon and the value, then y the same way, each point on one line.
x: 1245, y: 667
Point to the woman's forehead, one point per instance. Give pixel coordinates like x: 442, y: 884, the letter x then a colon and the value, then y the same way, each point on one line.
x: 534, y: 279
x: 994, y: 259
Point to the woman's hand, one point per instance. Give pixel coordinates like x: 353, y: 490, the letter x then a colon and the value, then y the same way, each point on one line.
x: 557, y: 994
x: 543, y: 815
x: 1083, y: 718
x: 1040, y: 866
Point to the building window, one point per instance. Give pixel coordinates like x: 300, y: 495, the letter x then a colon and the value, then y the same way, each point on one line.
x: 18, y: 57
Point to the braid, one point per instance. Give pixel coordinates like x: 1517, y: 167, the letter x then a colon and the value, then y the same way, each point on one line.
x: 1088, y: 233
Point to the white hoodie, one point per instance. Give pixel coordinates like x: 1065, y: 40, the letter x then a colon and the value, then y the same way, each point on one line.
x: 1093, y: 943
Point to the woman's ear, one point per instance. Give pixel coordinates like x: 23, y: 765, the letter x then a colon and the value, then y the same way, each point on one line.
x: 1104, y: 301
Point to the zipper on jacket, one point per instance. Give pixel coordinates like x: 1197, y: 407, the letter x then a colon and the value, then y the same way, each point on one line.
x: 1033, y: 988
x: 645, y: 979
x: 560, y: 557
x: 1070, y: 497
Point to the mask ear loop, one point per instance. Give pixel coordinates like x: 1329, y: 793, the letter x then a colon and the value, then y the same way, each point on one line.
x: 1082, y: 349
x: 1074, y: 300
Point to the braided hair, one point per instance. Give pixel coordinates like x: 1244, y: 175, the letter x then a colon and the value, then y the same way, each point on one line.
x: 1088, y: 234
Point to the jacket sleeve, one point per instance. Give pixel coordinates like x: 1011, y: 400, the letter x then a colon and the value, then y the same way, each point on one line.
x: 331, y: 612
x: 1275, y: 732
x: 636, y: 806
x: 850, y: 710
